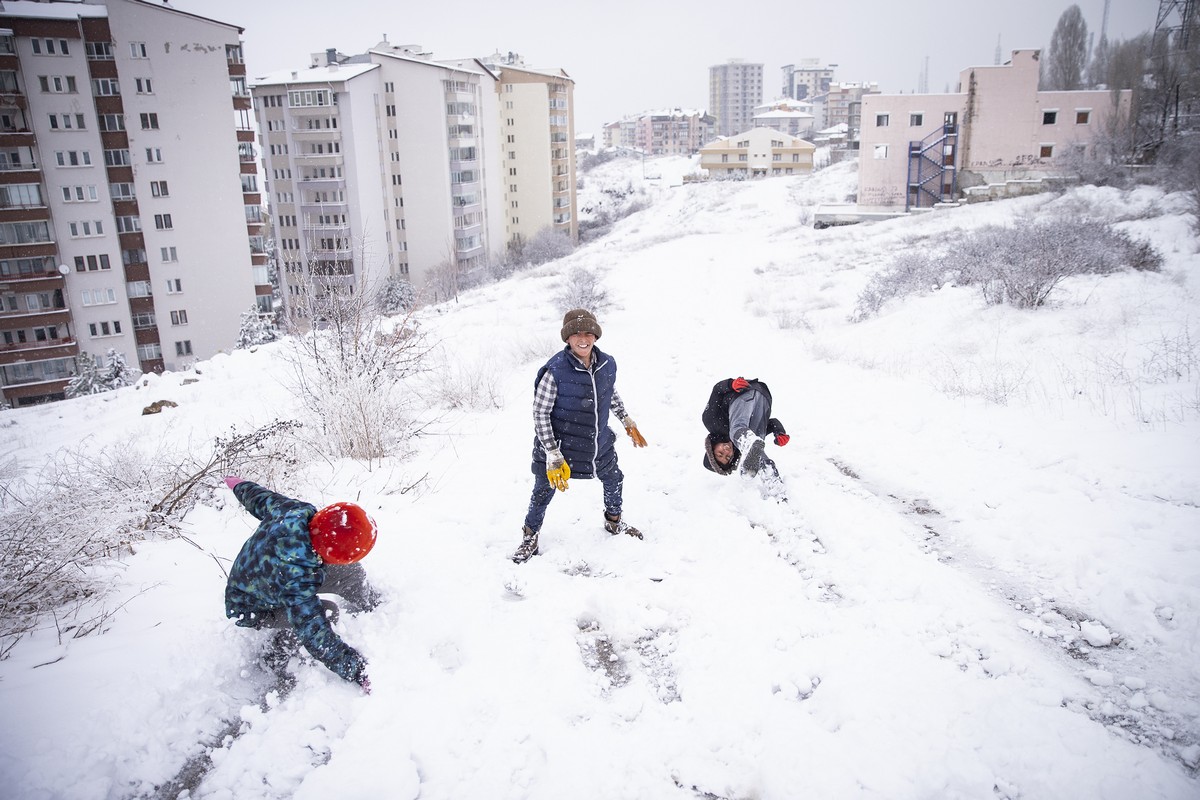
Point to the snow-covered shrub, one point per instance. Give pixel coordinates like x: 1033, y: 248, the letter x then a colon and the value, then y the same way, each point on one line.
x: 347, y: 372
x: 1020, y: 266
x: 92, y: 378
x: 547, y: 244
x: 581, y: 288
x: 82, y: 509
x: 913, y: 272
x: 256, y: 328
x: 396, y: 297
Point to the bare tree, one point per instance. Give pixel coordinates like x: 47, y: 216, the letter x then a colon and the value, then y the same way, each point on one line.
x: 1068, y: 52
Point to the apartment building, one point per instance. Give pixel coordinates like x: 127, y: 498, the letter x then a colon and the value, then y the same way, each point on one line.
x: 537, y: 130
x: 757, y: 153
x: 841, y: 104
x: 128, y: 205
x: 676, y: 132
x: 734, y: 89
x: 806, y: 79
x: 921, y: 149
x: 786, y: 116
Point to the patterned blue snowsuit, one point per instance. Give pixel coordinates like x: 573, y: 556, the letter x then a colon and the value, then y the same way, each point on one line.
x: 277, y: 568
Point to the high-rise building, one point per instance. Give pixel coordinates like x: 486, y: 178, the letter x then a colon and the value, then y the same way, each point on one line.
x: 536, y: 120
x: 675, y: 132
x: 461, y: 158
x: 128, y: 202
x: 734, y: 89
x: 806, y: 79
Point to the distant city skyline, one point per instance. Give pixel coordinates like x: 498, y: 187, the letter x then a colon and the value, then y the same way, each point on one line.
x: 628, y: 57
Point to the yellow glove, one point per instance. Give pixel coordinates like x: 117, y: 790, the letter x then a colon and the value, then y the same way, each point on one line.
x: 634, y: 433
x: 558, y: 471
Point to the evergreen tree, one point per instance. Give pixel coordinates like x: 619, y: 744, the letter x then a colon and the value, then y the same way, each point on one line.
x: 1068, y: 52
x: 396, y: 297
x: 257, y: 328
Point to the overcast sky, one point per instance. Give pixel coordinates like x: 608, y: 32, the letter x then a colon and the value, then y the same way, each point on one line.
x: 629, y: 56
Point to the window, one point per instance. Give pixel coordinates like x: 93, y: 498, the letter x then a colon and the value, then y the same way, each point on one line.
x: 137, y: 50
x: 129, y: 224
x: 67, y: 122
x: 1082, y: 116
x: 105, y: 87
x: 183, y: 348
x: 1049, y: 117
x: 57, y: 84
x: 149, y: 121
x: 111, y: 122
x: 916, y: 120
x: 159, y: 188
x: 169, y: 254
x: 881, y: 120
x: 92, y: 263
x: 116, y: 158
x: 1046, y: 151
x: 881, y: 151
x: 154, y: 155
x: 50, y: 47
x: 743, y: 157
x: 122, y: 191
x: 149, y: 352
x: 105, y: 328
x: 98, y: 51
x: 73, y: 158
x: 179, y: 318
x: 143, y: 86
x: 134, y: 255
x: 86, y: 228
x: 98, y: 297
x: 174, y: 286
x: 163, y: 222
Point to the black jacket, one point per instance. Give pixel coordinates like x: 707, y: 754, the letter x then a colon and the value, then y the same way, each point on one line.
x: 716, y: 420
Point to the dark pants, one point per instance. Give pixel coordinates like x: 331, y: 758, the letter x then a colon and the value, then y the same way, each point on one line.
x: 612, y: 479
x: 348, y: 581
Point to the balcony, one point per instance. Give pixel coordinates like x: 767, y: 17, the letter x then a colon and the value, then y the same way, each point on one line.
x: 62, y: 347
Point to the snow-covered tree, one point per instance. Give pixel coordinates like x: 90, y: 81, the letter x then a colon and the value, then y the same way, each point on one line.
x: 257, y: 328
x: 91, y: 377
x: 397, y: 296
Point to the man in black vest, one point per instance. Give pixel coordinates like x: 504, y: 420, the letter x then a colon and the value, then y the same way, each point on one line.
x: 573, y: 395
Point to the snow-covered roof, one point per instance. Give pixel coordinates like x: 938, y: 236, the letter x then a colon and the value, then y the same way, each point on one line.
x: 25, y: 8
x: 326, y: 74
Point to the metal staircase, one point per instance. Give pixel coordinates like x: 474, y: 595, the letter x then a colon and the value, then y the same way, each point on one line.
x: 932, y: 177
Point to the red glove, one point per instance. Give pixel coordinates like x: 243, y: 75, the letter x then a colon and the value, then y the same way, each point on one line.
x: 782, y: 438
x: 740, y: 383
x: 364, y: 682
x: 233, y: 481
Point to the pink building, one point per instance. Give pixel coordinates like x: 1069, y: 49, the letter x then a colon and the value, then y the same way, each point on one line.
x: 921, y: 149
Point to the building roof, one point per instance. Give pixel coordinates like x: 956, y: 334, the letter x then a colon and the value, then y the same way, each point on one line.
x: 74, y: 9
x: 326, y: 74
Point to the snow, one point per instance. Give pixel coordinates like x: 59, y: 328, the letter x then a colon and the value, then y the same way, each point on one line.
x: 986, y: 582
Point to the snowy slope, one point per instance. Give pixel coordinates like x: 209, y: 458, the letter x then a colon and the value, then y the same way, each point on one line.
x: 986, y: 584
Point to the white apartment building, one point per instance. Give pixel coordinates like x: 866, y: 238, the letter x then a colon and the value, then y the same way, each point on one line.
x: 786, y: 116
x: 921, y: 149
x: 393, y: 163
x: 757, y: 153
x: 734, y: 89
x: 128, y: 204
x: 806, y: 79
x: 537, y: 119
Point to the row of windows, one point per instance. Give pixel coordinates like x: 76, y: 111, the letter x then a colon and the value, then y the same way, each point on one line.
x: 1050, y: 117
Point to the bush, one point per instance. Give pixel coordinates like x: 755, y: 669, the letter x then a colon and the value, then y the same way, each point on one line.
x: 257, y: 328
x: 92, y: 378
x: 581, y: 289
x: 547, y: 244
x: 82, y: 509
x: 1020, y: 266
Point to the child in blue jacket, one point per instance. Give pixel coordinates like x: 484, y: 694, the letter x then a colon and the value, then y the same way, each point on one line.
x: 296, y: 552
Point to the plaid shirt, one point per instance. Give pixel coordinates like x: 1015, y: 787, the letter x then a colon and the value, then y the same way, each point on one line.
x: 543, y: 403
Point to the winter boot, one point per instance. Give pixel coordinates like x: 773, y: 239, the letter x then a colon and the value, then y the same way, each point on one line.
x: 528, y: 547
x: 753, y: 457
x: 614, y: 526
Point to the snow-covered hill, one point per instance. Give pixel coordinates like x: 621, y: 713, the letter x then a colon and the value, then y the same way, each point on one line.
x: 986, y: 583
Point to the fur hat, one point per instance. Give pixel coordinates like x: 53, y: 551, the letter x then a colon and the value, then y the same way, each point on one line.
x: 710, y: 458
x: 579, y: 320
